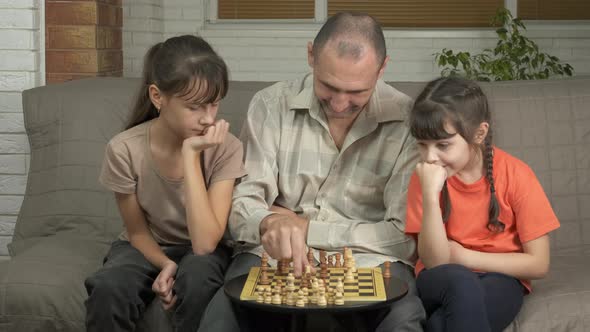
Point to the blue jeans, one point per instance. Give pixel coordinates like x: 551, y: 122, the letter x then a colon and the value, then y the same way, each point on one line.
x: 458, y: 299
x: 121, y: 290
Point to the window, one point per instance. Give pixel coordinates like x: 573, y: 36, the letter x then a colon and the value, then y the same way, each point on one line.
x: 266, y: 9
x: 423, y: 13
x: 554, y: 10
x: 399, y: 13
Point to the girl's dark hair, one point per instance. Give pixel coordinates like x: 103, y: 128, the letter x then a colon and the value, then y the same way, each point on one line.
x: 179, y: 66
x: 461, y: 103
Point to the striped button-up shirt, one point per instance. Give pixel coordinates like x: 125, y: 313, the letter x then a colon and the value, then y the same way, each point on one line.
x: 353, y: 197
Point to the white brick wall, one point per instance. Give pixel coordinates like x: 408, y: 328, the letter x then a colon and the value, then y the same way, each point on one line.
x: 19, y: 70
x: 275, y: 54
x: 142, y: 27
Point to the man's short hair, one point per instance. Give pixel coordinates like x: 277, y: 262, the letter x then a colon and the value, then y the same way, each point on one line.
x: 351, y: 29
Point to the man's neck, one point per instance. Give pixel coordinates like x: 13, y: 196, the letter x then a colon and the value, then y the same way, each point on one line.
x: 339, y: 129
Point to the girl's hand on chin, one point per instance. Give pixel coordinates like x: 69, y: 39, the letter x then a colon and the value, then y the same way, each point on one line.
x: 212, y: 136
x: 432, y: 177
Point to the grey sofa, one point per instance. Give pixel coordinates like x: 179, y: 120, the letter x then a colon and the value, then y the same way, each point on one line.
x: 67, y: 220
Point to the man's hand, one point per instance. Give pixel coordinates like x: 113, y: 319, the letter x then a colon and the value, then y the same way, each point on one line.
x: 163, y: 285
x: 284, y: 235
x: 281, y: 210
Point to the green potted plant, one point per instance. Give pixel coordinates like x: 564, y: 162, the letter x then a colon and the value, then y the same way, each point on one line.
x: 515, y: 57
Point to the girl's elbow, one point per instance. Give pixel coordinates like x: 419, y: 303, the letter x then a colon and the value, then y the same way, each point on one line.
x: 203, y: 250
x: 435, y: 261
x: 543, y: 271
x: 540, y: 271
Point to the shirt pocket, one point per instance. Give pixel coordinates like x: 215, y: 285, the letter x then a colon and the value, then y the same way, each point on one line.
x: 364, y: 195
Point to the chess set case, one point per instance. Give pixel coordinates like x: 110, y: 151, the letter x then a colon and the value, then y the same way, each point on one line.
x: 67, y: 219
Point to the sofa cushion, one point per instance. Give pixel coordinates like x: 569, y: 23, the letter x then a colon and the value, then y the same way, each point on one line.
x: 43, y: 288
x: 68, y: 126
x: 561, y: 301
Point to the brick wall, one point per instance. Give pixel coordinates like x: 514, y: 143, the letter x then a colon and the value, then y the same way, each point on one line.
x: 83, y: 38
x: 280, y: 53
x: 19, y: 70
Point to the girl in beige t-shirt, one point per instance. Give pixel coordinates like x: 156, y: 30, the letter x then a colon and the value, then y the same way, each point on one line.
x: 173, y: 171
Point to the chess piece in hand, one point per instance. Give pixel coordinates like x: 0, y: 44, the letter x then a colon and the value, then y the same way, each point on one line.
x: 284, y: 236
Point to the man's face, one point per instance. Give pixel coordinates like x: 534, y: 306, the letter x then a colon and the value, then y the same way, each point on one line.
x: 344, y: 85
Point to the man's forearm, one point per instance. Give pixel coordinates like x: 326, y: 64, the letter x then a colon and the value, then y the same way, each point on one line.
x: 383, y: 237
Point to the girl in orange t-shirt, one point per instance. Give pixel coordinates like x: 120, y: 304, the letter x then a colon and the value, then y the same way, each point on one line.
x: 480, y: 215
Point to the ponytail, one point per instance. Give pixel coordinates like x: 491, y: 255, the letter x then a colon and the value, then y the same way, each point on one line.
x: 494, y: 225
x: 446, y: 203
x: 143, y: 109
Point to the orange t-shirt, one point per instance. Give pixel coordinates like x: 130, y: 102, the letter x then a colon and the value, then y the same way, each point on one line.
x: 524, y: 209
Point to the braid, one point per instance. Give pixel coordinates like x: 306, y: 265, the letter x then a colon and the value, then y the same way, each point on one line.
x: 446, y: 202
x: 494, y: 224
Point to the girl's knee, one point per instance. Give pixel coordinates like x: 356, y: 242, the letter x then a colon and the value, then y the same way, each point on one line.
x: 444, y: 273
x: 448, y: 277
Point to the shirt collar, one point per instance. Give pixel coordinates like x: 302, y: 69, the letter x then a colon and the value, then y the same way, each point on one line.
x: 385, y: 105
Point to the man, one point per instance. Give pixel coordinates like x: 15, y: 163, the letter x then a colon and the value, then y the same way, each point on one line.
x: 329, y: 159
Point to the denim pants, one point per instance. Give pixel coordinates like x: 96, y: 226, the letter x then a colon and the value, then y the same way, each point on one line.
x: 119, y: 293
x: 222, y: 315
x: 458, y: 299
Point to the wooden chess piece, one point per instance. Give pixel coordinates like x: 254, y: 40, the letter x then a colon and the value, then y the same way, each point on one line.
x: 323, y: 268
x: 264, y: 280
x: 340, y: 286
x: 387, y: 270
x: 276, y: 298
x: 310, y: 258
x: 322, y: 301
x: 330, y: 295
x: 264, y: 259
x: 338, y: 260
x: 290, y: 298
x: 260, y: 294
x: 349, y: 276
x: 305, y: 294
x: 300, y: 300
x: 338, y: 298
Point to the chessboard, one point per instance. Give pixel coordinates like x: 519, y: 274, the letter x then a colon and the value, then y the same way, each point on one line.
x: 367, y: 286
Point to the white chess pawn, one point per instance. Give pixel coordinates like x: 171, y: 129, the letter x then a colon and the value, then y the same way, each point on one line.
x: 340, y: 286
x: 276, y: 299
x: 305, y: 294
x: 349, y: 277
x: 290, y: 298
x: 338, y: 298
x: 330, y: 295
x: 322, y: 302
x: 260, y: 295
x: 268, y: 296
x: 300, y: 301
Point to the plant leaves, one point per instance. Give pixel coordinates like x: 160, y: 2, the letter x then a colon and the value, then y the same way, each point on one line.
x: 514, y: 56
